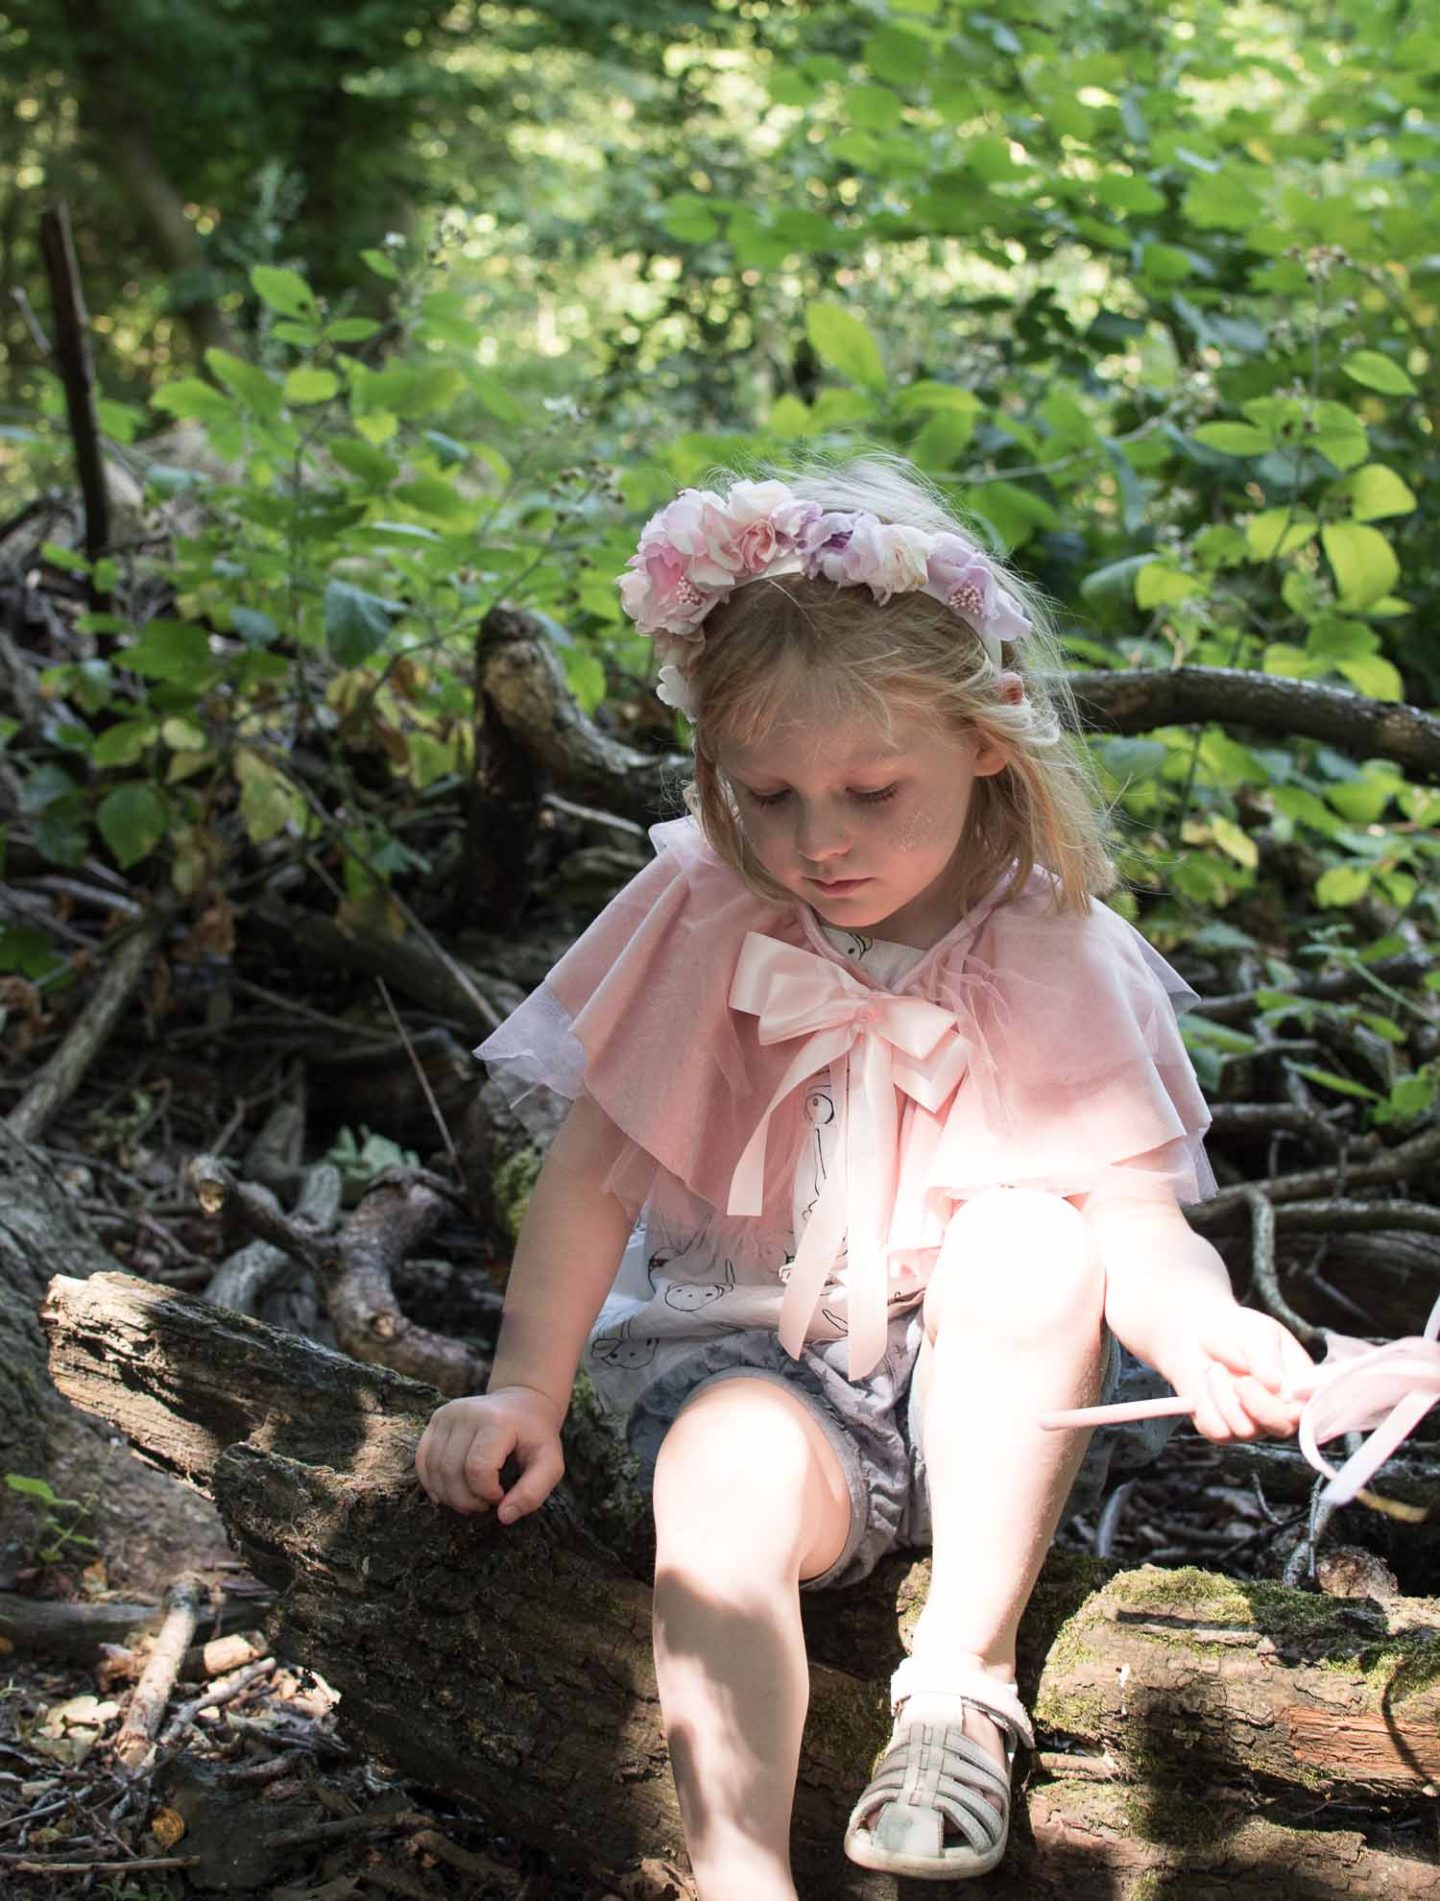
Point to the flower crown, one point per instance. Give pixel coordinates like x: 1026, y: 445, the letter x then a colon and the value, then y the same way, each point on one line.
x: 696, y: 551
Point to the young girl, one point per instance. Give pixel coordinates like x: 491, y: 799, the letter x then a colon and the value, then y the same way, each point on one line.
x: 886, y: 1123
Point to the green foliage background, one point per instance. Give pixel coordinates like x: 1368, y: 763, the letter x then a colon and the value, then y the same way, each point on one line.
x: 1152, y: 293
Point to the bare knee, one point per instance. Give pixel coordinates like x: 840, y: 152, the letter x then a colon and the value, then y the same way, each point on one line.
x: 742, y: 1480
x: 1019, y: 1264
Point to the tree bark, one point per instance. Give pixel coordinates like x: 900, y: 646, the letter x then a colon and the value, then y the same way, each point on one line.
x: 42, y: 1437
x: 514, y: 1666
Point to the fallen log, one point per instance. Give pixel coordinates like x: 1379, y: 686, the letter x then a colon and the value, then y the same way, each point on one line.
x: 524, y: 1678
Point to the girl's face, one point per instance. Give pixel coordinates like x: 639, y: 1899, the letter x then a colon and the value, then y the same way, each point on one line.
x: 880, y: 822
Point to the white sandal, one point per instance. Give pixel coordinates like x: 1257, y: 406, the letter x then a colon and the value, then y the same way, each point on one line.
x: 931, y: 1773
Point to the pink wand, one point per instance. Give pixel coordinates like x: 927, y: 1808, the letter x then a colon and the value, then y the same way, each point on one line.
x: 1170, y: 1407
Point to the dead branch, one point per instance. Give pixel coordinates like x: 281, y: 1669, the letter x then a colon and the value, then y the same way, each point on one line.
x: 157, y: 1679
x: 63, y: 1074
x: 1138, y: 702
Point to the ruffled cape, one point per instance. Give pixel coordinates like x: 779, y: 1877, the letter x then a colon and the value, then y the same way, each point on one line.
x: 1070, y: 1068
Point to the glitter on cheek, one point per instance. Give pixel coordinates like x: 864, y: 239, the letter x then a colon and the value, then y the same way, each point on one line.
x: 914, y: 831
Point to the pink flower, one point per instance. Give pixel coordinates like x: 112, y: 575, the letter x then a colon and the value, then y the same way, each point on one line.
x: 655, y: 589
x: 959, y: 574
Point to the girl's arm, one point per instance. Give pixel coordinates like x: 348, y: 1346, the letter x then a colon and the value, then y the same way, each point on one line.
x: 566, y: 1256
x: 569, y: 1247
x: 1168, y: 1299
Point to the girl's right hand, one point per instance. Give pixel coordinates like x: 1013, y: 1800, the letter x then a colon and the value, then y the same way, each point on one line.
x: 467, y: 1441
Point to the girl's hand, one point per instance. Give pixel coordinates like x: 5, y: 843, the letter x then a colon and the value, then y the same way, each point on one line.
x: 467, y: 1441
x: 1245, y: 1372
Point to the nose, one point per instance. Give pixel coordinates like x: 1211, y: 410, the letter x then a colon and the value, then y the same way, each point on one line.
x: 819, y: 839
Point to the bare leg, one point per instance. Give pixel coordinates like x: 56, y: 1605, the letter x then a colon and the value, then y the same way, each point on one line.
x: 1003, y: 1347
x: 749, y: 1498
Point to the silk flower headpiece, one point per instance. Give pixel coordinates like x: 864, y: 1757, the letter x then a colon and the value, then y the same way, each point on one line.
x: 878, y: 1043
x: 696, y: 551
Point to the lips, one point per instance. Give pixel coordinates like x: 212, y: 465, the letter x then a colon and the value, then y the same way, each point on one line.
x: 839, y: 884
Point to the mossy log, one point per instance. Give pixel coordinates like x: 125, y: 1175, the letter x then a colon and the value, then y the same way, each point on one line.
x: 514, y: 1666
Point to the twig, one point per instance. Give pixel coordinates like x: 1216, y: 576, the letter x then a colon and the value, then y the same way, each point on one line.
x: 215, y: 1184
x: 65, y: 1071
x: 28, y: 1865
x: 157, y: 1680
x: 1262, y: 1263
x: 1391, y: 1165
x: 423, y: 1080
x: 222, y: 1690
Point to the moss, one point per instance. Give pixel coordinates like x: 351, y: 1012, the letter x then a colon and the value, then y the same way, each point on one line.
x: 1399, y: 1667
x: 514, y: 1182
x: 848, y: 1725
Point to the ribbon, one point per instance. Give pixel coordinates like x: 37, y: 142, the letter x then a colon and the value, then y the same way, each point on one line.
x: 878, y: 1044
x: 1390, y: 1388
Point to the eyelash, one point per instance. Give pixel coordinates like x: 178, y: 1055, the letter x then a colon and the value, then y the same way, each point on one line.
x: 865, y: 798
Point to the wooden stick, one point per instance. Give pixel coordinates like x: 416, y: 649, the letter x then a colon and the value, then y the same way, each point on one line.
x: 53, y: 1087
x: 157, y: 1680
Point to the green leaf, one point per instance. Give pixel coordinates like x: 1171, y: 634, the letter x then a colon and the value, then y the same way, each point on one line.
x: 247, y: 382
x: 69, y: 560
x: 31, y: 1488
x: 1412, y: 1095
x: 1276, y: 532
x: 171, y: 650
x: 496, y: 397
x: 1157, y: 585
x: 1362, y: 560
x: 434, y: 495
x: 689, y: 217
x: 190, y: 400
x: 361, y: 458
x: 382, y: 265
x: 1375, y: 675
x: 429, y: 759
x: 268, y: 801
x: 285, y: 291
x: 357, y: 624
x: 132, y: 821
x: 1342, y: 1085
x: 352, y: 329
x: 123, y: 743
x: 1342, y: 885
x: 1233, y: 438
x: 309, y: 385
x: 843, y: 342
x: 183, y: 735
x: 1377, y: 491
x: 1375, y: 371
x: 901, y: 57
x: 872, y: 108
x: 255, y: 628
x: 926, y: 395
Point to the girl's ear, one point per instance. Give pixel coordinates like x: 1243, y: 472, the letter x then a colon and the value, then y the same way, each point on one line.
x: 1011, y: 687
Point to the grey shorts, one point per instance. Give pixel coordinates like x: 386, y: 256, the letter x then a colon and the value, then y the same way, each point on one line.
x: 875, y: 1427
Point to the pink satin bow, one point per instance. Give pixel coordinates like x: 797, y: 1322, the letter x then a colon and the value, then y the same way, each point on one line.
x: 1358, y: 1386
x: 880, y: 1043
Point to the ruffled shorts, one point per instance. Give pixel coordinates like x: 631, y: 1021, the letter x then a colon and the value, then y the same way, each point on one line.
x: 875, y: 1427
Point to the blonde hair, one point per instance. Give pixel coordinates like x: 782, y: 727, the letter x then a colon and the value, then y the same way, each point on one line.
x: 913, y: 656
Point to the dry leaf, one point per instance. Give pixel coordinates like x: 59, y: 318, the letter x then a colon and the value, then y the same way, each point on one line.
x: 167, y: 1826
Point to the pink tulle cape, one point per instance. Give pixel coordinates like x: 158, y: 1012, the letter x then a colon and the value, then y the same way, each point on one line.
x: 1076, y: 1068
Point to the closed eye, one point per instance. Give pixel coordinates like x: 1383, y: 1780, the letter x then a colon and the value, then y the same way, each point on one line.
x: 864, y: 798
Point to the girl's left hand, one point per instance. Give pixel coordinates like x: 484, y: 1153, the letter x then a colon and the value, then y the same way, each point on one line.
x: 1245, y: 1373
